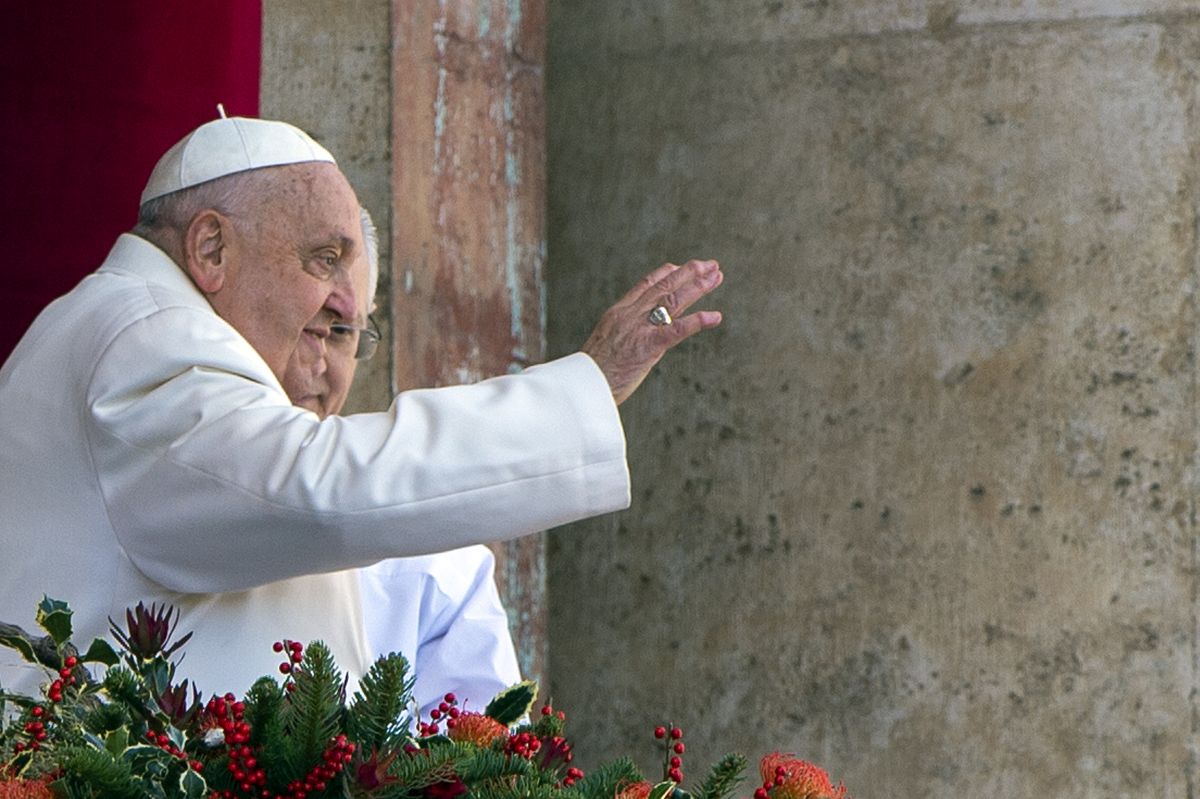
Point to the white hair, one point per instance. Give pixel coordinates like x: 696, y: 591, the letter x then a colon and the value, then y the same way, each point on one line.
x: 173, y: 212
x: 371, y: 242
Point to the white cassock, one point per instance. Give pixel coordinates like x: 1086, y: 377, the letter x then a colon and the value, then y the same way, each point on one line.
x: 444, y: 614
x: 148, y: 453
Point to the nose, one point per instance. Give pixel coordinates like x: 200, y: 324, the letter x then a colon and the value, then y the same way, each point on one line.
x: 341, y: 300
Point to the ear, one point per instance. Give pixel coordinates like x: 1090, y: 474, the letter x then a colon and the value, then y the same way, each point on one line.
x: 204, y: 250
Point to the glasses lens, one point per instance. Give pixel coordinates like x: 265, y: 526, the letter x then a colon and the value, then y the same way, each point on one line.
x: 368, y: 340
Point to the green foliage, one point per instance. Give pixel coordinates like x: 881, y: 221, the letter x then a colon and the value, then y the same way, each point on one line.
x: 264, y: 712
x: 609, y: 779
x: 21, y: 642
x: 429, y: 766
x: 512, y: 703
x: 310, y: 717
x: 90, y: 772
x: 662, y: 790
x: 54, y: 617
x: 723, y: 778
x: 125, y: 688
x: 100, y: 651
x: 139, y: 735
x: 377, y: 719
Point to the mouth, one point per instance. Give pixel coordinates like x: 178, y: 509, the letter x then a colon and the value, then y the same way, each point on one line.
x: 311, y: 402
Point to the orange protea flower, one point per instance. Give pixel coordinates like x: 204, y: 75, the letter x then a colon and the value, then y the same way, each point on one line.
x: 17, y: 788
x: 477, y: 728
x: 638, y: 790
x: 788, y: 777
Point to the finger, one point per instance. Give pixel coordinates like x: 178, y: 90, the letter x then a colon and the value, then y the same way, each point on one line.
x: 635, y: 293
x: 674, y: 280
x: 690, y: 325
x: 678, y: 291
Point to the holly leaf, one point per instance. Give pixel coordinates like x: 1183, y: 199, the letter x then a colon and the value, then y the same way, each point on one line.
x: 512, y: 703
x: 117, y: 742
x: 100, y: 651
x: 662, y: 791
x: 15, y: 638
x: 54, y: 616
x: 192, y: 785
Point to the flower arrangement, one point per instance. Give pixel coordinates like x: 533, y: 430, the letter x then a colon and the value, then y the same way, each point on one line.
x: 136, y: 732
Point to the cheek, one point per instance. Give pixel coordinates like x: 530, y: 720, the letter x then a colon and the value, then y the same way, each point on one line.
x: 340, y: 378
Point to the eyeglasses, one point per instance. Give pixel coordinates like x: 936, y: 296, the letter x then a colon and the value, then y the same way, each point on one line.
x: 365, y: 340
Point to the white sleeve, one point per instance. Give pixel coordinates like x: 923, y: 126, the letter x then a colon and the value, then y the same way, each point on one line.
x: 444, y: 613
x: 213, y: 482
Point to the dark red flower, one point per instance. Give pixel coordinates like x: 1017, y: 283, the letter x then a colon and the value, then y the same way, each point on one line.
x: 447, y: 789
x: 147, y: 632
x: 373, y: 772
x: 174, y: 702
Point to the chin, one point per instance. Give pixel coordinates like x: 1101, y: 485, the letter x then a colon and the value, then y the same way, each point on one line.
x: 313, y: 404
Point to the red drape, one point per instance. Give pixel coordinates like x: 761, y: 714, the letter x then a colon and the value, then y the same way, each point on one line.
x: 93, y: 94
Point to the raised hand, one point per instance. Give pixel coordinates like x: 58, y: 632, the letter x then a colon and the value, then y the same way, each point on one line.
x: 633, y: 335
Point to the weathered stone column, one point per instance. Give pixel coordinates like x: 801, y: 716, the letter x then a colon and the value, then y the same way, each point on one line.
x: 468, y: 241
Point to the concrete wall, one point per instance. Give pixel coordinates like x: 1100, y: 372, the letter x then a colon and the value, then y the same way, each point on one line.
x: 923, y: 510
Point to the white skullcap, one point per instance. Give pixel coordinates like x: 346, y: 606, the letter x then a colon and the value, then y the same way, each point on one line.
x: 227, y: 146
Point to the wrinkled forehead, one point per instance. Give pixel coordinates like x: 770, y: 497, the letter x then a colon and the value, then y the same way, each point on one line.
x: 313, y: 198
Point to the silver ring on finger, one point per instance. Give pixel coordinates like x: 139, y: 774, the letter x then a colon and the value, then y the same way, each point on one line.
x: 660, y: 316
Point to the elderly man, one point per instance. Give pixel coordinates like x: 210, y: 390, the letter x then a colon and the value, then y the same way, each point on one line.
x: 150, y: 451
x: 442, y: 611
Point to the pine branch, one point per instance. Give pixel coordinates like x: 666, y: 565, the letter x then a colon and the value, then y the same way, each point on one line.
x: 310, y: 714
x: 609, y: 779
x: 104, y: 718
x: 265, y: 703
x: 521, y: 788
x: 427, y: 767
x: 723, y: 778
x: 483, y: 766
x: 378, y: 719
x: 94, y: 772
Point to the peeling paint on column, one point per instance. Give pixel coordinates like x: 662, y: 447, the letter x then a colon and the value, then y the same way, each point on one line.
x: 469, y: 229
x: 512, y: 180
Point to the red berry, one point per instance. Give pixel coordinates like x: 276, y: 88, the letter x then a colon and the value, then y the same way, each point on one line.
x: 676, y: 762
x: 451, y: 698
x: 676, y: 775
x: 660, y: 732
x: 547, y: 710
x: 285, y: 668
x: 761, y: 793
x: 676, y: 733
x: 277, y: 646
x: 71, y: 662
x: 679, y: 748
